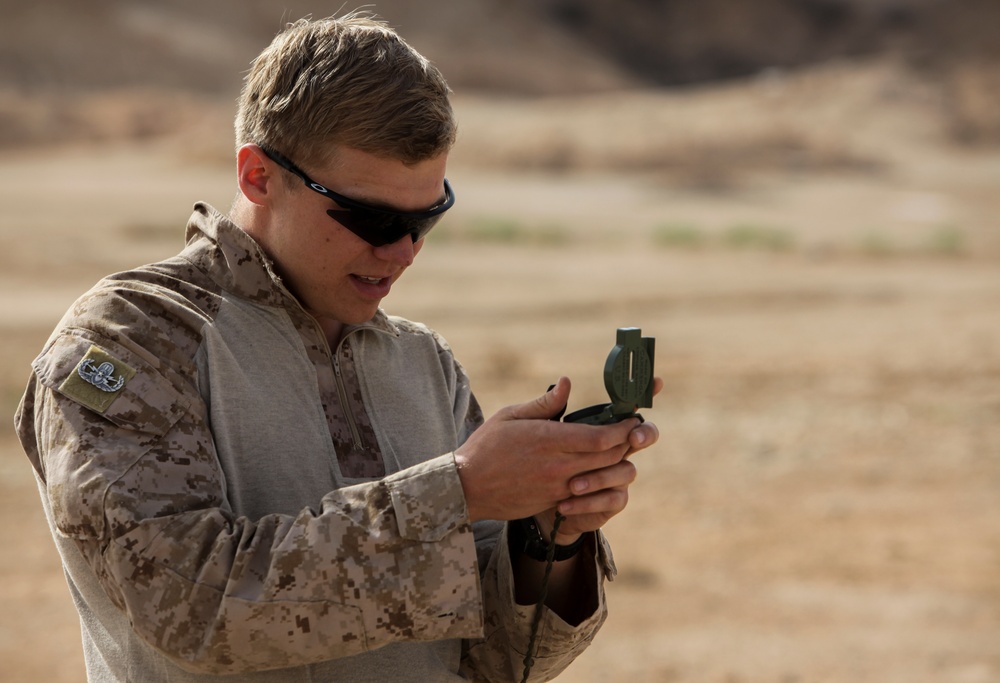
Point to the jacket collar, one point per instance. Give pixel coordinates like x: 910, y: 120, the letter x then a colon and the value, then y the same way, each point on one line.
x: 238, y: 264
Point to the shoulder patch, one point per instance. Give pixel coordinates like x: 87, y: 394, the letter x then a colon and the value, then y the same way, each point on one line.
x: 97, y: 380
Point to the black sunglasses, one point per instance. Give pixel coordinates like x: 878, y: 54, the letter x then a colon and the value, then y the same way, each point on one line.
x: 376, y: 225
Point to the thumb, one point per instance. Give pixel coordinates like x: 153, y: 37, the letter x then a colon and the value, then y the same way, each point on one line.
x: 545, y: 406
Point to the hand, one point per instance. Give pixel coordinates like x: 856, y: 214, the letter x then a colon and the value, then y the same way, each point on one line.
x: 601, y: 494
x: 520, y: 462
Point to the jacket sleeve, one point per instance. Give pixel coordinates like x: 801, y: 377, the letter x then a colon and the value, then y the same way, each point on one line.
x: 135, y: 483
x: 498, y: 656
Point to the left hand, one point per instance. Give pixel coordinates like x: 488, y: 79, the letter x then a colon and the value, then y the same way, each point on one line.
x: 601, y: 494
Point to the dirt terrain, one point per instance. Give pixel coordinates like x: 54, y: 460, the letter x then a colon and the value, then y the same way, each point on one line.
x: 818, y: 255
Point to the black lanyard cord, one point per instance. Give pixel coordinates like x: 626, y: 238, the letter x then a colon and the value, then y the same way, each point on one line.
x: 529, y: 657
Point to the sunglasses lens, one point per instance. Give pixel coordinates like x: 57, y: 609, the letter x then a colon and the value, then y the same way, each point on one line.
x: 420, y: 227
x: 380, y: 229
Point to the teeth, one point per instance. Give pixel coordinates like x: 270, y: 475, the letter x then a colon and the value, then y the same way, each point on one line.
x: 372, y: 280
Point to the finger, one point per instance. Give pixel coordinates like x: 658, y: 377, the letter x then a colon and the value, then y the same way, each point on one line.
x: 657, y: 385
x: 586, y: 438
x: 545, y: 406
x: 606, y: 502
x: 546, y: 521
x: 578, y: 465
x: 620, y: 474
x: 643, y: 436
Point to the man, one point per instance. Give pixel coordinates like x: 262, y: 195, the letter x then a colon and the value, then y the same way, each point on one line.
x: 250, y: 469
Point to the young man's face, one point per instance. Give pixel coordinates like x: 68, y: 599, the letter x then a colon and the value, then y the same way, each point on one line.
x: 339, y: 277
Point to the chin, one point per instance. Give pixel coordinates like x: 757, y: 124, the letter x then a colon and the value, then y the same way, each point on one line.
x: 360, y: 317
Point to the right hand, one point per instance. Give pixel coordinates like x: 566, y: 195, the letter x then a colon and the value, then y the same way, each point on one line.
x: 520, y: 462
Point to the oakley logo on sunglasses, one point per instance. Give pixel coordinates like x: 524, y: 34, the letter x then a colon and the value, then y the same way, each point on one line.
x: 374, y: 224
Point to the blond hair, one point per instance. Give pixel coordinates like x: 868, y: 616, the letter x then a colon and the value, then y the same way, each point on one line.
x: 348, y: 81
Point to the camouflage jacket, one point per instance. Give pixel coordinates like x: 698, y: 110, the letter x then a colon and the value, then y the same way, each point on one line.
x: 231, y: 496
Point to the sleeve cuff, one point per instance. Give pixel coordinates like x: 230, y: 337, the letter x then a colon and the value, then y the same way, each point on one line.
x: 558, y: 641
x: 437, y: 568
x: 428, y: 500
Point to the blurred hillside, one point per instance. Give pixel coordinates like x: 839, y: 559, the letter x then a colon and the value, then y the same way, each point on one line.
x: 72, y: 70
x: 525, y: 46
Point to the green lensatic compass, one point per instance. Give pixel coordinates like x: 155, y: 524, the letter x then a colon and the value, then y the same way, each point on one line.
x: 628, y: 377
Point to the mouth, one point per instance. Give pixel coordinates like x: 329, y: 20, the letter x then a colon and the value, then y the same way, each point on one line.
x: 371, y: 287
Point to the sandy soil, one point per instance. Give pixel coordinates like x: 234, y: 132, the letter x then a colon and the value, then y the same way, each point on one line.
x: 823, y: 505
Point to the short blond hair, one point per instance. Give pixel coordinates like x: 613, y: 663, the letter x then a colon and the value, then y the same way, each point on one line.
x: 350, y: 81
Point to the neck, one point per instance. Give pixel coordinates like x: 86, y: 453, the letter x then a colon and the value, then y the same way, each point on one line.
x: 333, y: 329
x: 247, y: 217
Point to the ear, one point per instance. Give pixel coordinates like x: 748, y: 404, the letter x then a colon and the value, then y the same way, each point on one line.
x: 254, y: 174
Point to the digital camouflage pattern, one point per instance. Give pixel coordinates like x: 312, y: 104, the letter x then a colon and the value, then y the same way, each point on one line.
x: 250, y: 501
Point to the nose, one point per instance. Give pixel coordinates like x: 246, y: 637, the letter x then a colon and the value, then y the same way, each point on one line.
x: 403, y: 251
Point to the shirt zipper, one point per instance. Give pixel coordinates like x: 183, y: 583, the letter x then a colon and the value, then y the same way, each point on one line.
x: 342, y: 393
x: 338, y: 378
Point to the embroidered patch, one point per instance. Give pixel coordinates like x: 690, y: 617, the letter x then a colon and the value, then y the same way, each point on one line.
x: 97, y: 380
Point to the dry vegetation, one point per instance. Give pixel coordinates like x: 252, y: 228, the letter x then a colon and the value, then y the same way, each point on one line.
x: 817, y: 252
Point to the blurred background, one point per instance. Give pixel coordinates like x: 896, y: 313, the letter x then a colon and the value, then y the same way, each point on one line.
x: 800, y: 199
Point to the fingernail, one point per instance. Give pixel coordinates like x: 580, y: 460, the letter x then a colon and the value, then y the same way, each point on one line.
x: 640, y: 437
x: 579, y: 486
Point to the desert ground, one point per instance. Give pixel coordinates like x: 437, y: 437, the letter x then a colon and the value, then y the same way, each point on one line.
x: 818, y: 256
